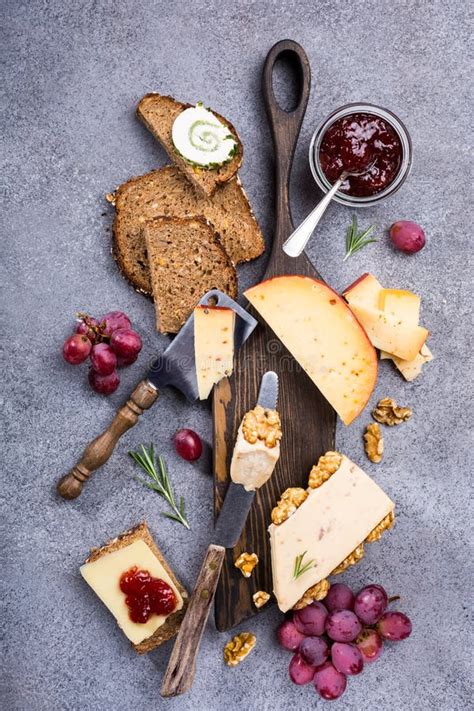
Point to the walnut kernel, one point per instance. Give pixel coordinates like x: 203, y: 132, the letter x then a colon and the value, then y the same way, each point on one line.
x: 327, y: 465
x: 110, y: 197
x: 246, y: 562
x: 290, y: 500
x: 237, y: 649
x: 384, y: 525
x: 260, y: 598
x: 317, y: 592
x: 261, y: 424
x: 388, y: 413
x: 351, y: 559
x: 373, y: 442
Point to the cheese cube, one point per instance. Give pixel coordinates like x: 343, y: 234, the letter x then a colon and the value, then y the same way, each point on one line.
x: 213, y: 346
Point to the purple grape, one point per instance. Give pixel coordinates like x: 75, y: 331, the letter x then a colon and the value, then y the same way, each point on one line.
x: 370, y: 604
x: 370, y: 645
x: 394, y: 626
x: 329, y: 683
x: 342, y: 626
x: 407, y: 236
x: 300, y: 671
x: 103, y: 359
x: 314, y: 650
x: 339, y: 597
x: 288, y: 636
x: 112, y: 321
x: 347, y: 658
x: 310, y: 620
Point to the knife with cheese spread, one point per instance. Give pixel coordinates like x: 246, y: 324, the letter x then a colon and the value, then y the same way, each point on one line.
x: 255, y: 455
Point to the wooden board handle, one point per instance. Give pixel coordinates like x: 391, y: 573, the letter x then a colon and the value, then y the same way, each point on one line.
x: 179, y: 675
x: 285, y: 127
x: 98, y: 451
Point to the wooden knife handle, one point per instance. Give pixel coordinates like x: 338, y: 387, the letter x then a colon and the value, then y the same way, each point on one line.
x: 179, y: 675
x: 98, y: 451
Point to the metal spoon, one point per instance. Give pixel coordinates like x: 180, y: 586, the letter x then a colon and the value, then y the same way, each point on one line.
x: 298, y: 240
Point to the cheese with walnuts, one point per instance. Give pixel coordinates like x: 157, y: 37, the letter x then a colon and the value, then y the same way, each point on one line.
x: 257, y: 448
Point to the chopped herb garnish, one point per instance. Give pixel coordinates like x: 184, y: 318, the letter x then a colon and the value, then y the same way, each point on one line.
x: 356, y: 240
x: 299, y: 568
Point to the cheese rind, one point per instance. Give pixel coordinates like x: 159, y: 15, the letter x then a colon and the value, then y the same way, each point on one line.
x: 213, y: 346
x: 333, y: 520
x: 252, y: 463
x: 317, y: 327
x: 365, y: 290
x: 103, y: 575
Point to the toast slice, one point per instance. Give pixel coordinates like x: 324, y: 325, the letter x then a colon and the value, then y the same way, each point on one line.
x: 158, y: 113
x: 168, y: 192
x: 171, y: 625
x: 186, y: 259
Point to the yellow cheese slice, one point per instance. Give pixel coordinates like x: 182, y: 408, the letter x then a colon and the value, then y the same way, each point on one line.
x: 334, y: 519
x: 405, y: 305
x: 411, y: 369
x: 366, y: 290
x: 389, y: 333
x: 103, y: 575
x: 317, y: 327
x: 213, y: 346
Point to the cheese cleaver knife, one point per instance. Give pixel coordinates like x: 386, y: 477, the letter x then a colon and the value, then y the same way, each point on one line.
x: 174, y: 367
x: 179, y: 675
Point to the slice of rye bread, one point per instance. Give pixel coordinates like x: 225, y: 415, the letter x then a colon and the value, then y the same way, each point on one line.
x: 167, y: 192
x: 171, y: 625
x: 186, y: 259
x: 158, y: 113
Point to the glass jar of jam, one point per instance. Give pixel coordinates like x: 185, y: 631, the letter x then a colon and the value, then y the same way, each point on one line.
x: 353, y: 138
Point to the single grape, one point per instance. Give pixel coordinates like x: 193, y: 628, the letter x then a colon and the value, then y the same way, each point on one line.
x: 76, y: 349
x: 104, y: 384
x: 407, y: 236
x: 370, y: 604
x: 188, y: 444
x: 123, y: 362
x: 342, y: 626
x: 394, y: 626
x: 103, y: 359
x: 113, y: 320
x: 328, y: 682
x: 314, y: 650
x: 88, y: 327
x: 339, y: 597
x: 347, y: 658
x: 125, y: 342
x: 288, y: 636
x: 370, y: 645
x: 300, y: 671
x: 310, y: 620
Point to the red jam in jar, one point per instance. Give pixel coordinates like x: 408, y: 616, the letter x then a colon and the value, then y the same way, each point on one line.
x: 146, y: 595
x: 355, y: 142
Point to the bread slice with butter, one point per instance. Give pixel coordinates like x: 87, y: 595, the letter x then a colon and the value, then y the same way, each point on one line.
x: 103, y: 569
x: 321, y: 530
x: 158, y: 113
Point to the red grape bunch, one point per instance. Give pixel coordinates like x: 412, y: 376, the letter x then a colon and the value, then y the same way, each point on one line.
x: 109, y: 342
x: 334, y: 640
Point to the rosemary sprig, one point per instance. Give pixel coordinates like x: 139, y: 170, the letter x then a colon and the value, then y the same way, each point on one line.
x: 299, y: 568
x: 356, y: 240
x: 159, y: 482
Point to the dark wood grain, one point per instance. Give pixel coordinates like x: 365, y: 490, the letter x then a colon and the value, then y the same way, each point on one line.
x: 100, y: 449
x: 179, y: 674
x: 308, y: 421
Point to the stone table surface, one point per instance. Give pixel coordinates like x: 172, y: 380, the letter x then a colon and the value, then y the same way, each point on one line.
x: 74, y: 74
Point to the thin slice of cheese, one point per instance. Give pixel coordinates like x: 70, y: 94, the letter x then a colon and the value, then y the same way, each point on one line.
x: 213, y: 346
x: 411, y: 369
x: 317, y: 327
x: 389, y: 333
x: 334, y: 519
x: 103, y: 575
x: 366, y: 290
x: 404, y: 305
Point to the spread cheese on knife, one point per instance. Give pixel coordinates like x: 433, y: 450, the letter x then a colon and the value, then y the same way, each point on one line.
x: 257, y: 448
x: 331, y: 522
x: 213, y: 346
x: 103, y: 575
x: 320, y: 331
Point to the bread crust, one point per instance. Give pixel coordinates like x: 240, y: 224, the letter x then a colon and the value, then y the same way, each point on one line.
x: 172, y: 623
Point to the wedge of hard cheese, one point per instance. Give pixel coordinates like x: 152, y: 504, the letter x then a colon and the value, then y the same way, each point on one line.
x: 213, y: 346
x: 320, y: 331
x: 103, y: 570
x: 331, y: 522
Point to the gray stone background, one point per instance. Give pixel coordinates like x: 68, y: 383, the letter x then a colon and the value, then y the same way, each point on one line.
x: 74, y: 73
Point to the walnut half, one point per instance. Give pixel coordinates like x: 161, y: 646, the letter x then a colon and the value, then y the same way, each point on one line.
x: 246, y: 562
x: 384, y: 525
x: 317, y: 592
x: 261, y: 424
x: 290, y: 500
x: 388, y: 413
x: 373, y: 443
x: 260, y: 598
x: 327, y: 465
x: 237, y: 649
x: 351, y: 559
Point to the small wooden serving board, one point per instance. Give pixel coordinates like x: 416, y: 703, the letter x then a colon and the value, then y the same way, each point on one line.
x: 308, y: 421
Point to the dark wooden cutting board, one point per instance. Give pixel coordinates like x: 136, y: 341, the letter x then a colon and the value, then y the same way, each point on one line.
x: 308, y: 421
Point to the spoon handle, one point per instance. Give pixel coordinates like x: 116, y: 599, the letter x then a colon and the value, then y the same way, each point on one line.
x: 298, y: 240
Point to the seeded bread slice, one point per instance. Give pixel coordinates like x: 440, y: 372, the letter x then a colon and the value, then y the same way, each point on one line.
x: 186, y: 259
x: 167, y: 192
x: 171, y: 625
x: 158, y: 113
